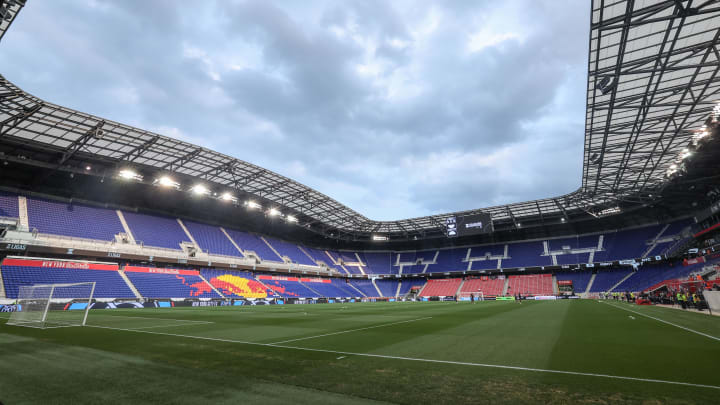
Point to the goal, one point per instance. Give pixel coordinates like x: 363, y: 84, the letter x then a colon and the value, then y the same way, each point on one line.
x: 53, y: 305
x: 479, y: 296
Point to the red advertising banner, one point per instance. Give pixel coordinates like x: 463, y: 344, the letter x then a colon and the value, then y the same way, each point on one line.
x: 565, y: 282
x: 266, y: 277
x: 696, y: 260
x: 59, y: 264
x: 316, y: 280
x: 136, y: 269
x: 304, y: 279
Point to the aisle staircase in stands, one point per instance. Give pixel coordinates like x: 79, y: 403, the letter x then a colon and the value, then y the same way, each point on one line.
x: 211, y: 286
x: 397, y: 292
x: 187, y: 232
x: 125, y: 226
x: 621, y: 281
x: 266, y: 286
x: 457, y: 292
x: 556, y: 291
x: 655, y: 241
x: 505, y: 286
x: 272, y: 248
x: 376, y: 288
x: 232, y: 241
x: 129, y: 284
x: 307, y: 254
x: 2, y: 286
x: 308, y: 287
x: 23, y: 213
x: 421, y: 290
x: 589, y: 286
x: 360, y: 293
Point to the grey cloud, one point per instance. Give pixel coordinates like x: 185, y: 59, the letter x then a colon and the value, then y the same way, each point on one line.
x: 304, y: 102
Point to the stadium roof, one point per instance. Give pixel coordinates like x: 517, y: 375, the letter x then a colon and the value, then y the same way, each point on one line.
x: 652, y: 83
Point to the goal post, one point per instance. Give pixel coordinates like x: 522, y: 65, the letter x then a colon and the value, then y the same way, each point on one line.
x: 479, y: 296
x: 53, y: 305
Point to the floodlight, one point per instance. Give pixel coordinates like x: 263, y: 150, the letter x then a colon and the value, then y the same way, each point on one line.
x: 128, y: 174
x: 166, y: 181
x: 88, y: 168
x: 228, y: 197
x: 200, y: 190
x: 291, y: 218
x: 609, y: 211
x: 273, y: 212
x: 379, y: 238
x: 252, y: 204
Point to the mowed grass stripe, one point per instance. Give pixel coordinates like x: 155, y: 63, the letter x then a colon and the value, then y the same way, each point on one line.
x: 665, y: 322
x: 499, y: 366
x: 502, y: 333
x: 352, y: 330
x: 493, y: 352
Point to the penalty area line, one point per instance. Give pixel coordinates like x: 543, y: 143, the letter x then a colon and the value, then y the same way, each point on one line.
x: 349, y: 330
x: 459, y: 363
x: 666, y: 322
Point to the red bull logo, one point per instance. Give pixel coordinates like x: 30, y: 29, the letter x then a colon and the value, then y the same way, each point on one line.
x: 196, y: 289
x: 230, y: 284
x: 280, y: 289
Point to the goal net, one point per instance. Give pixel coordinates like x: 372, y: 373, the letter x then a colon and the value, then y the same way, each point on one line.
x: 477, y: 295
x: 53, y: 305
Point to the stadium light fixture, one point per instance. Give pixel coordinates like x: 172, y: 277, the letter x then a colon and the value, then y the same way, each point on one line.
x: 128, y: 174
x: 228, y: 197
x: 200, y: 190
x: 380, y: 238
x: 291, y: 218
x: 609, y: 211
x: 252, y: 204
x: 88, y: 168
x: 166, y: 181
x: 273, y: 212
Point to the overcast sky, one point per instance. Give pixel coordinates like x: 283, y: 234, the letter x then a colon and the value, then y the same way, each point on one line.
x: 396, y: 109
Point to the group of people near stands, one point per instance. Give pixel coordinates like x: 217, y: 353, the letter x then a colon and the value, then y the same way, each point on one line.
x: 681, y: 297
x: 618, y: 296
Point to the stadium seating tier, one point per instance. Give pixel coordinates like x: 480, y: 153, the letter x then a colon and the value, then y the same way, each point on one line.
x: 74, y: 220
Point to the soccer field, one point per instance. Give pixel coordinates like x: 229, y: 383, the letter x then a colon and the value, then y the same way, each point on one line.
x: 489, y: 352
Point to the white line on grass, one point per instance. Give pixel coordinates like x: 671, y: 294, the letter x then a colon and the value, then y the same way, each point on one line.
x: 173, y: 325
x: 669, y: 323
x: 153, y: 318
x: 460, y: 363
x: 350, y: 330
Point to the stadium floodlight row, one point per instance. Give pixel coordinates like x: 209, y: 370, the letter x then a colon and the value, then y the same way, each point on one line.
x: 652, y: 87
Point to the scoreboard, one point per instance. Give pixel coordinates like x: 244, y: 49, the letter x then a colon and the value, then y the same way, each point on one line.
x: 465, y: 225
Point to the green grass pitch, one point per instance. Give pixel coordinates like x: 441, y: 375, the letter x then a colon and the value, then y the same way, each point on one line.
x: 433, y: 352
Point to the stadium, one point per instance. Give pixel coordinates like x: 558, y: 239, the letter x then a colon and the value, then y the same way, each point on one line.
x: 137, y: 267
